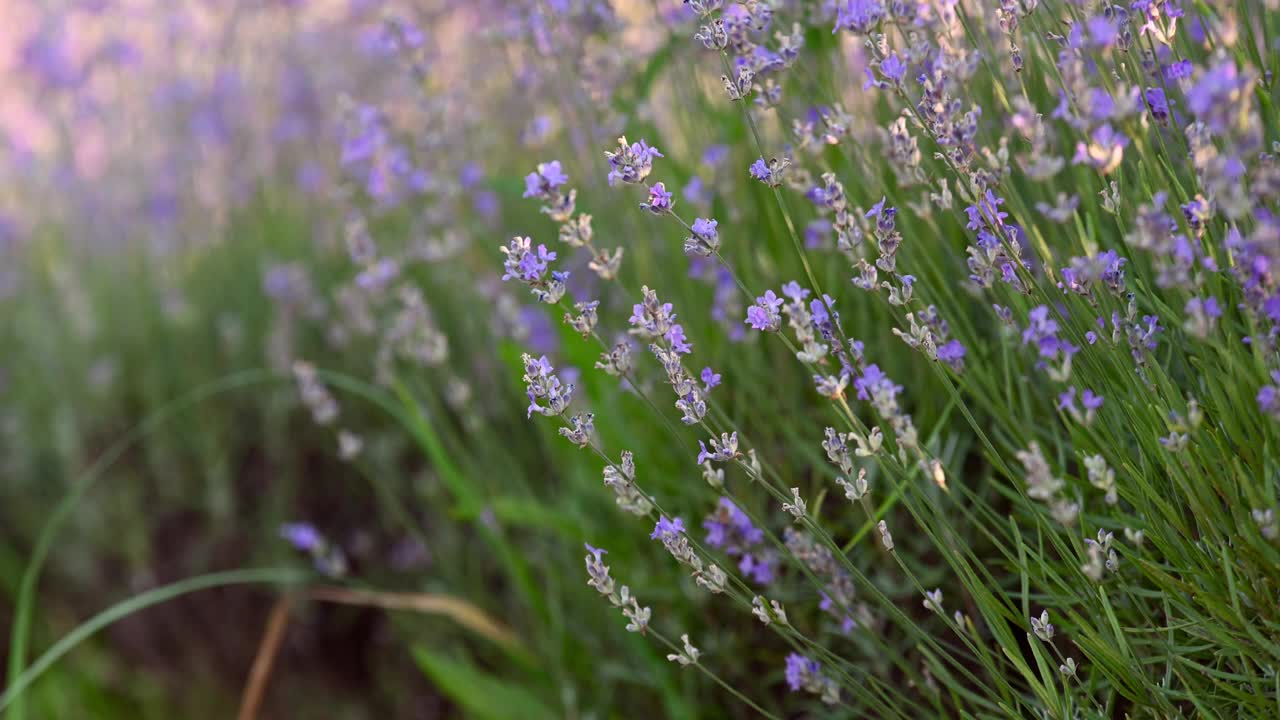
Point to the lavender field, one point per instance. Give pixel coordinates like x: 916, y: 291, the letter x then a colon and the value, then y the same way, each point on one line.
x: 601, y: 359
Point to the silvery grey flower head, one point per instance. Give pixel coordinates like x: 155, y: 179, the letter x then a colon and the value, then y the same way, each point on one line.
x: 1068, y: 668
x: 584, y: 322
x: 360, y: 245
x: 1041, y: 626
x: 837, y: 447
x: 831, y: 386
x: 671, y: 534
x: 616, y: 362
x: 713, y: 35
x: 1102, y: 477
x: 1041, y: 483
x: 1133, y: 537
x: 577, y: 231
x: 1175, y: 442
x: 580, y: 428
x: 687, y: 656
x: 622, y: 480
x: 722, y: 450
x: 1266, y: 520
x: 857, y: 489
x: 797, y: 505
x: 412, y: 334
x: 739, y: 86
x: 605, y: 263
x: 933, y: 600
x: 1064, y: 511
x: 316, y: 398
x: 599, y: 578
x: 349, y: 445
x: 712, y: 579
x: 542, y: 384
x: 713, y: 475
x: 764, y: 614
x: 885, y: 538
x: 703, y: 8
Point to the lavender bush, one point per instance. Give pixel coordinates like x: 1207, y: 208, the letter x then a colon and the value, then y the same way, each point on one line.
x: 911, y: 359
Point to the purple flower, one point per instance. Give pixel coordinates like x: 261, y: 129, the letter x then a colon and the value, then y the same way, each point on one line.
x: 631, y: 163
x: 817, y: 233
x: 1090, y: 401
x: 1104, y: 151
x: 893, y: 68
x: 858, y: 16
x: 710, y: 379
x: 667, y: 528
x: 952, y: 353
x: 705, y: 228
x: 764, y: 315
x: 544, y: 180
x: 302, y: 536
x: 595, y: 551
x: 1042, y: 330
x: 1102, y: 31
x: 795, y: 292
x: 541, y: 383
x: 1157, y: 103
x: 714, y: 155
x: 986, y: 210
x: 1269, y: 396
x: 800, y: 671
x: 660, y: 200
x: 877, y: 387
x: 675, y: 336
x: 760, y: 170
x: 532, y: 268
x: 1216, y: 98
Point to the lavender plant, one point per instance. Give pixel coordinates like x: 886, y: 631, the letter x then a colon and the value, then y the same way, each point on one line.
x: 911, y: 359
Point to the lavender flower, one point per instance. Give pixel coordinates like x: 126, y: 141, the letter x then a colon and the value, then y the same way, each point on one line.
x: 580, y: 428
x: 858, y: 16
x: 805, y: 674
x: 770, y: 173
x: 705, y: 240
x: 710, y: 379
x: 621, y: 598
x: 543, y: 385
x: 622, y: 480
x: 533, y: 269
x: 660, y: 200
x: 722, y: 450
x: 764, y: 315
x: 1202, y: 316
x: 1104, y: 151
x: 329, y: 559
x: 631, y: 163
x: 302, y: 536
x: 729, y: 529
x: 1219, y: 97
x: 543, y: 182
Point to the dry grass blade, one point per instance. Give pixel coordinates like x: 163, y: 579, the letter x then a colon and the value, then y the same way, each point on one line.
x: 460, y: 611
x: 272, y: 638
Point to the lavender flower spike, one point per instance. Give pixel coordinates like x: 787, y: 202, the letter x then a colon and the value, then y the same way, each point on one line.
x: 631, y: 163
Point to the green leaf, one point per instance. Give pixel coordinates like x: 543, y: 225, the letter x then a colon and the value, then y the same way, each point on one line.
x: 481, y: 695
